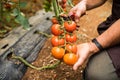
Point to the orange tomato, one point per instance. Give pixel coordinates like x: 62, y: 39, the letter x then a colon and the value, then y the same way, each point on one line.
x: 70, y: 58
x: 58, y: 52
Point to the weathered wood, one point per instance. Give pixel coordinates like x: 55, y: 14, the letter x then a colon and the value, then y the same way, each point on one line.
x: 26, y: 44
x: 17, y: 33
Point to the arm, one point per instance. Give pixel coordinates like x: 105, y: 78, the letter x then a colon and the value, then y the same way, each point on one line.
x: 90, y: 4
x: 109, y: 38
x: 84, y: 5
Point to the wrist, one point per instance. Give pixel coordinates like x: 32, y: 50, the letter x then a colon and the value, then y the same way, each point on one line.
x: 93, y: 47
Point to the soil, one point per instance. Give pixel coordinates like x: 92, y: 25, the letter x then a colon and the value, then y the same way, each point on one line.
x: 87, y: 30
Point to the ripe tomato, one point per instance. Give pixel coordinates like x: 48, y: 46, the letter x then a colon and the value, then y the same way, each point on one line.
x: 57, y: 52
x: 71, y: 38
x: 64, y: 5
x: 71, y: 48
x: 64, y: 1
x: 54, y: 20
x: 56, y: 41
x: 70, y: 58
x: 55, y: 29
x: 70, y: 26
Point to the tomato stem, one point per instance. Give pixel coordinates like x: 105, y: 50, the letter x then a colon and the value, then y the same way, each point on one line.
x: 45, y: 34
x: 34, y: 67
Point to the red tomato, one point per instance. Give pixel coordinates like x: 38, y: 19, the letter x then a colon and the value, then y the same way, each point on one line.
x: 54, y: 20
x: 64, y: 5
x: 71, y: 38
x: 71, y: 48
x: 70, y: 26
x: 64, y: 1
x: 55, y: 29
x: 56, y: 41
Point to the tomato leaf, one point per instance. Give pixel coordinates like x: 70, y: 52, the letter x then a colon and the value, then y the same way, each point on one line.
x: 47, y: 5
x: 19, y: 18
x: 23, y: 4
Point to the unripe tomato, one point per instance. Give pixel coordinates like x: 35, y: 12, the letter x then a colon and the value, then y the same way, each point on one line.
x: 70, y: 26
x: 57, y: 52
x: 70, y: 58
x: 71, y: 38
x: 56, y: 41
x: 71, y: 48
x: 55, y: 29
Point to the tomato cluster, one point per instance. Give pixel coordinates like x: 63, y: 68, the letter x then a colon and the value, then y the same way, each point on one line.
x: 64, y: 39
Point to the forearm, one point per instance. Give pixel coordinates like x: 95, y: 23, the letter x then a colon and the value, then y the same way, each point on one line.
x: 90, y: 4
x: 111, y: 36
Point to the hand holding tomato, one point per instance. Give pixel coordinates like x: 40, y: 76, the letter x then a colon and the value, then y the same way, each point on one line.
x: 84, y: 51
x: 78, y: 10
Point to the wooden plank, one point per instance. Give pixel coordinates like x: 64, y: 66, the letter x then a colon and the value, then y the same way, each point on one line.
x: 40, y: 18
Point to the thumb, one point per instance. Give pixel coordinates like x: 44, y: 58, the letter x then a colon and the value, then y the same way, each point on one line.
x: 78, y: 63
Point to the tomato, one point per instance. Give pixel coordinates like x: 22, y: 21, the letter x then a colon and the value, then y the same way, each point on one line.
x: 55, y: 29
x: 56, y: 41
x: 70, y: 26
x: 7, y: 5
x: 57, y: 52
x: 64, y: 1
x: 71, y: 38
x: 71, y: 48
x: 70, y: 58
x: 64, y: 5
x: 15, y: 1
x: 54, y: 20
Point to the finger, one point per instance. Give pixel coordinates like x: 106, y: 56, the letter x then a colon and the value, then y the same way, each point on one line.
x: 78, y: 63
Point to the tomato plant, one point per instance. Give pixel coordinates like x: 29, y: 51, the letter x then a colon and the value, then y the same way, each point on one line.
x: 71, y: 38
x: 70, y: 26
x: 71, y: 48
x: 70, y: 58
x: 56, y: 29
x: 56, y: 41
x: 57, y: 52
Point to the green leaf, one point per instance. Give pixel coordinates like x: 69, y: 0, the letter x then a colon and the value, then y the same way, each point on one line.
x: 47, y: 6
x: 23, y: 21
x: 23, y: 4
x: 8, y: 17
x: 15, y: 12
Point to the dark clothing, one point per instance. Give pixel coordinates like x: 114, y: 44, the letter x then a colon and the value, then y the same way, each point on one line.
x: 114, y: 51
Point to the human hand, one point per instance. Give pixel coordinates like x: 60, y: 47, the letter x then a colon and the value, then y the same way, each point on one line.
x: 85, y: 50
x: 78, y: 10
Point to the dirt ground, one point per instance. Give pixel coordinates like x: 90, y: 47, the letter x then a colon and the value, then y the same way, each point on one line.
x: 87, y: 31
